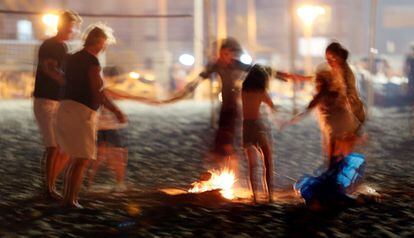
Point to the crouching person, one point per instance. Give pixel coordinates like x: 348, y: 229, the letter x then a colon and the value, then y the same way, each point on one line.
x: 77, y: 116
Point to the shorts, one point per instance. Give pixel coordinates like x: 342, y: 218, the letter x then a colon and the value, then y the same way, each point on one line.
x: 228, y: 123
x: 45, y: 111
x: 76, y: 129
x: 255, y: 132
x: 112, y: 138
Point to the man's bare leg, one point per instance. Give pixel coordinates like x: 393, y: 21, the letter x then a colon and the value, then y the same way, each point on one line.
x: 59, y: 163
x: 48, y: 163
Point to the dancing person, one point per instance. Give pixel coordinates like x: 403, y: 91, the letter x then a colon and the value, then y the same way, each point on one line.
x: 337, y: 121
x: 257, y: 139
x: 336, y: 56
x: 77, y: 116
x: 47, y: 93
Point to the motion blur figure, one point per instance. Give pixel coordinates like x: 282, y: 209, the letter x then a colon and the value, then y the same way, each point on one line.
x: 337, y: 123
x: 111, y: 145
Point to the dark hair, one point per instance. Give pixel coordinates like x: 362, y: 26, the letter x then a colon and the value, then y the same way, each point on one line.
x: 67, y: 17
x: 96, y: 31
x: 231, y: 44
x: 338, y: 50
x: 257, y: 79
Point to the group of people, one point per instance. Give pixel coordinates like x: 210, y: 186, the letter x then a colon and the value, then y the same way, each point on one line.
x: 341, y: 111
x: 69, y: 93
x: 67, y: 96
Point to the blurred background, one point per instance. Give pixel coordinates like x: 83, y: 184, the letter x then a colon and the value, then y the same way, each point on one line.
x: 161, y: 43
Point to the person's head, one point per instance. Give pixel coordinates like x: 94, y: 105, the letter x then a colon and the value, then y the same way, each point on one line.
x: 336, y: 54
x: 229, y: 49
x: 68, y: 22
x: 97, y: 37
x: 257, y: 79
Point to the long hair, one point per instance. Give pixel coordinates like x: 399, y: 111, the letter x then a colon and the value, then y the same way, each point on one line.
x: 257, y: 79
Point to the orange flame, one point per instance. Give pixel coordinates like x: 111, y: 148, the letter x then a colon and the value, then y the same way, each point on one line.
x: 223, y: 179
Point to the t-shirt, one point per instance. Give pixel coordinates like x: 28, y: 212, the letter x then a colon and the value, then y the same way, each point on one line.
x: 78, y: 86
x: 45, y: 86
x: 229, y: 75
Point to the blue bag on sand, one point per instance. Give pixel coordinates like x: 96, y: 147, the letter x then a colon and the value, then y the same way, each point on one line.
x: 351, y: 170
x: 335, y: 182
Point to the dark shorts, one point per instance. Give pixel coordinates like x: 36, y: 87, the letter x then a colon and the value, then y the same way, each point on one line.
x: 255, y: 132
x: 113, y: 138
x: 228, y: 121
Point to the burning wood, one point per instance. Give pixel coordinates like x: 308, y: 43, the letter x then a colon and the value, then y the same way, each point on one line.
x: 222, y: 180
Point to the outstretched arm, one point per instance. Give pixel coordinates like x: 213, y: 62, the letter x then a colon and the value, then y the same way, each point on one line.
x: 298, y: 117
x: 188, y: 89
x: 119, y: 94
x: 284, y: 76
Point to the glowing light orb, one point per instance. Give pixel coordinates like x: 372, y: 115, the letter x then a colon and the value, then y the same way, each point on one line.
x: 186, y: 59
x: 246, y: 58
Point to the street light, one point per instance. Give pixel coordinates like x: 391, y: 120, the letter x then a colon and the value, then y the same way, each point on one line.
x: 308, y: 14
x: 51, y: 22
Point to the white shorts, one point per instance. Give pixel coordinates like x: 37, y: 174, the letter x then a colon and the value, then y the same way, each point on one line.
x: 76, y: 129
x: 45, y: 111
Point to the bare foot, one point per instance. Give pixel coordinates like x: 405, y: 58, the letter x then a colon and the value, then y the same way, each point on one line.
x: 52, y: 195
x: 73, y: 204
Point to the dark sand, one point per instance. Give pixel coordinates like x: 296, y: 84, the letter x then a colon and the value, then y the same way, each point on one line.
x: 167, y: 147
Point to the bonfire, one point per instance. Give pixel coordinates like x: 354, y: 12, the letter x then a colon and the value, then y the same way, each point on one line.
x: 222, y: 180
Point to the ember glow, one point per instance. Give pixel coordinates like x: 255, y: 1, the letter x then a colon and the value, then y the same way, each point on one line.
x: 223, y: 179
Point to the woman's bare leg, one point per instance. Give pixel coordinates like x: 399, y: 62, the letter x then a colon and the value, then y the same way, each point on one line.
x: 252, y: 152
x: 74, y: 180
x: 267, y: 169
